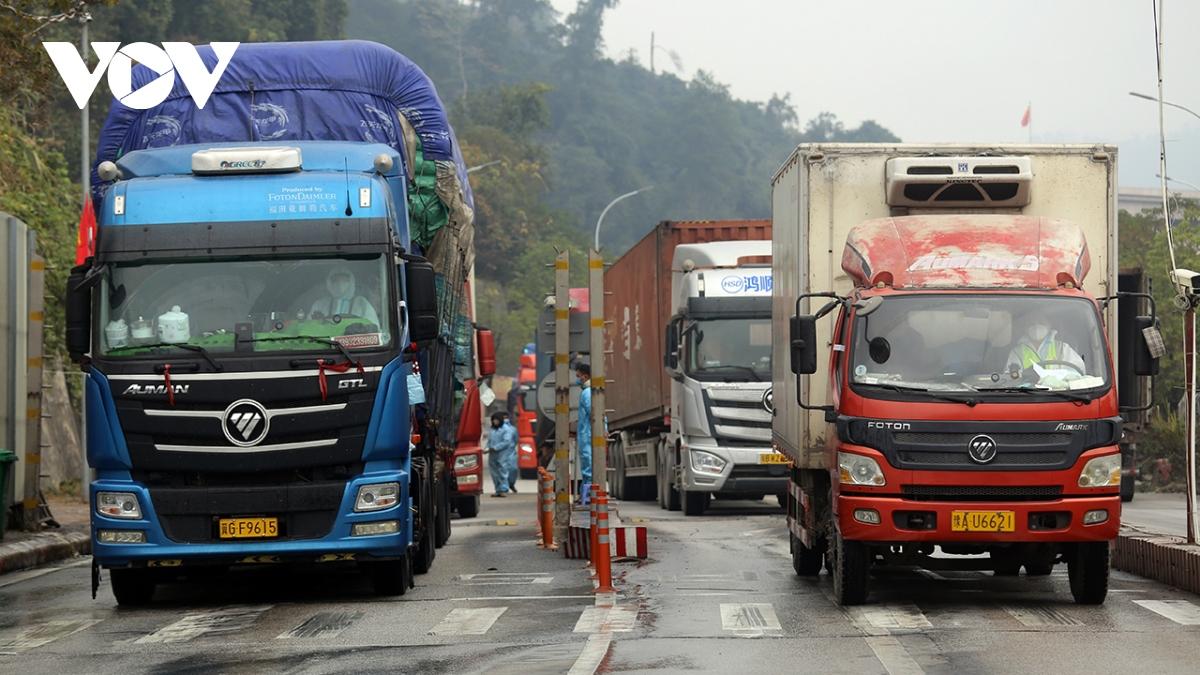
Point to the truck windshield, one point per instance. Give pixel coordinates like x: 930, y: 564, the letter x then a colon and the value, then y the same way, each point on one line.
x: 980, y: 343
x: 729, y: 350
x: 145, y: 308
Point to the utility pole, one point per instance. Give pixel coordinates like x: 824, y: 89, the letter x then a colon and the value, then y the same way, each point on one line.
x: 85, y: 180
x: 562, y: 395
x: 598, y: 381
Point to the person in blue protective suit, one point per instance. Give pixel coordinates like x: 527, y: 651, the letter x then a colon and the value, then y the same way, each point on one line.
x: 502, y: 453
x: 583, y: 431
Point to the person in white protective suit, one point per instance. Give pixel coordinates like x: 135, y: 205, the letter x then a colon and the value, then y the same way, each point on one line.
x: 1043, y: 350
x: 341, y: 300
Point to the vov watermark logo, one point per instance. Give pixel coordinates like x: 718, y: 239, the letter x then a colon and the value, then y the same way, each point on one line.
x: 172, y: 57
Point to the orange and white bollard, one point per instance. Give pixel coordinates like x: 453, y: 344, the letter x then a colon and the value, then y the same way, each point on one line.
x: 602, y: 555
x: 546, y: 515
x: 592, y: 532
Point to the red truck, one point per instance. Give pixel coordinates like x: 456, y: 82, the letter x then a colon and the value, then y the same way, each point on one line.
x: 525, y: 418
x: 951, y: 390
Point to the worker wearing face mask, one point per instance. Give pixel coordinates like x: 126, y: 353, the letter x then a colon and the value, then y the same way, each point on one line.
x: 1041, y: 346
x: 342, y: 300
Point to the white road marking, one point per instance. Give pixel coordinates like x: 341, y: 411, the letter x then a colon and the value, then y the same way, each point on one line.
x: 620, y: 619
x: 474, y: 621
x: 891, y: 617
x: 592, y: 655
x: 17, y: 577
x: 1039, y: 617
x: 45, y: 633
x: 504, y: 578
x: 215, y: 622
x: 589, y: 596
x: 1181, y: 612
x: 749, y: 619
x: 322, y: 625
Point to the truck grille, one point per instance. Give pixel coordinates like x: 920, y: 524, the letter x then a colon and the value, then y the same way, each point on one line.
x: 966, y: 493
x: 189, y: 515
x: 738, y: 416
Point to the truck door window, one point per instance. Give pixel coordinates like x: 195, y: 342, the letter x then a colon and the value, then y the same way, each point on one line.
x: 732, y: 350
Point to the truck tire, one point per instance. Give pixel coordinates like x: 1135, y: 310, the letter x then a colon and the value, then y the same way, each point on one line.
x: 390, y: 577
x: 443, y: 512
x: 529, y: 474
x: 468, y: 507
x: 619, y: 483
x: 425, y: 549
x: 806, y: 561
x: 1088, y: 572
x: 132, y: 587
x: 851, y: 571
x: 695, y: 503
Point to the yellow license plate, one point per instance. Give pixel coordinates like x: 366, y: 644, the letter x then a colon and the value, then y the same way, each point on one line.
x: 773, y: 458
x: 982, y: 521
x: 248, y: 528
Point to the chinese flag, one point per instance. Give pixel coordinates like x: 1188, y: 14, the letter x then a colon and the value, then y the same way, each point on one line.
x: 85, y: 240
x: 1025, y: 117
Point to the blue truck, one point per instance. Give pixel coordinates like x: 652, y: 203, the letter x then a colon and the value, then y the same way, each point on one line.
x: 273, y: 325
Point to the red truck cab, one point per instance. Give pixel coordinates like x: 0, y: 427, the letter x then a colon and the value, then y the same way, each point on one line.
x: 973, y: 405
x: 527, y: 459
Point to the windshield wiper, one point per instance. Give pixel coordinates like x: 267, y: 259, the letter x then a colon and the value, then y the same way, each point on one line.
x: 312, y: 338
x: 158, y: 345
x: 1065, y: 395
x: 968, y: 401
x: 747, y: 369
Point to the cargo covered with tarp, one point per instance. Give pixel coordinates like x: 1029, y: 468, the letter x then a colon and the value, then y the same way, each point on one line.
x: 335, y: 91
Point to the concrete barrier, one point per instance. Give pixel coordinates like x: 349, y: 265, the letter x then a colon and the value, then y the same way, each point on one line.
x: 1162, y: 558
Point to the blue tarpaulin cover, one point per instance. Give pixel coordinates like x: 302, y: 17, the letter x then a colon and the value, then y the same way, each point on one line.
x: 346, y: 90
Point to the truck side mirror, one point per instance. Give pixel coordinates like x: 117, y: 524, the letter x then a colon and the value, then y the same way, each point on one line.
x: 1150, y: 348
x: 485, y: 346
x: 529, y: 400
x: 803, y: 344
x: 79, y: 313
x: 671, y: 353
x: 421, y: 299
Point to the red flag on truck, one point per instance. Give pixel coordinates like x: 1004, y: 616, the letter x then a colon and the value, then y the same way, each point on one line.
x: 85, y: 240
x: 1025, y: 117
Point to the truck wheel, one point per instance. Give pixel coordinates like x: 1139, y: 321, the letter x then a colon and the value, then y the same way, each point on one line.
x: 468, y: 507
x: 695, y: 503
x: 425, y: 550
x: 132, y: 587
x: 391, y: 577
x: 782, y: 498
x: 529, y: 474
x: 806, y: 561
x: 1088, y: 571
x: 645, y: 488
x: 620, y: 486
x: 443, y: 513
x: 851, y: 571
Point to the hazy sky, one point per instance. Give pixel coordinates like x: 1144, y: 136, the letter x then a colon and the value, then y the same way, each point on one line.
x: 939, y: 70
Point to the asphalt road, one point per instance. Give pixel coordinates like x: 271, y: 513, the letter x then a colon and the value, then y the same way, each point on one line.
x: 1157, y: 513
x: 717, y: 595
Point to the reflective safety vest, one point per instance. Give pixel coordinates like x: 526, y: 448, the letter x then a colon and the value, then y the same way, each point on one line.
x: 1030, y: 356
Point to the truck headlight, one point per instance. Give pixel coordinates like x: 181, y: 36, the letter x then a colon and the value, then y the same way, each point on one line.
x: 1101, y: 472
x: 706, y: 462
x: 463, y: 462
x: 377, y: 496
x: 859, y: 470
x: 118, y: 505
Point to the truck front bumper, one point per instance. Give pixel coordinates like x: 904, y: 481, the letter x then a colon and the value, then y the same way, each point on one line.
x: 742, y: 474
x: 338, y: 544
x: 904, y: 521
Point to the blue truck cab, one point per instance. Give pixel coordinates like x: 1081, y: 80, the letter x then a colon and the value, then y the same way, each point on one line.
x: 250, y: 315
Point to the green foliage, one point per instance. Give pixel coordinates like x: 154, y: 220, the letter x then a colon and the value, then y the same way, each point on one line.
x: 1144, y: 245
x: 1163, y: 439
x: 613, y: 126
x: 35, y: 188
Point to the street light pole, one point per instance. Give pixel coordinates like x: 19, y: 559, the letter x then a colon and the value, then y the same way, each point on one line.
x: 1148, y: 97
x: 600, y: 220
x: 1181, y: 182
x: 484, y: 166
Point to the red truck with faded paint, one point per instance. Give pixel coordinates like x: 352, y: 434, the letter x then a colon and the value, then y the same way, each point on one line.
x: 526, y: 418
x: 953, y: 391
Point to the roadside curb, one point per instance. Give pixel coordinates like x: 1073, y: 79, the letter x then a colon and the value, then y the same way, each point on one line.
x: 1158, y: 557
x: 43, y: 548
